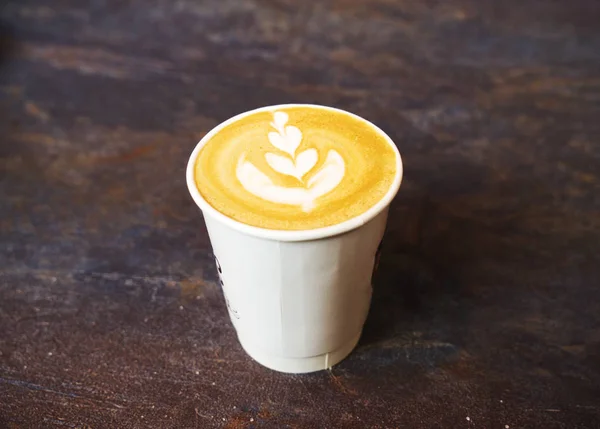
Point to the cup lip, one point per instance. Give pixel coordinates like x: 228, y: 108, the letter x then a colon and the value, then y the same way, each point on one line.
x: 291, y: 235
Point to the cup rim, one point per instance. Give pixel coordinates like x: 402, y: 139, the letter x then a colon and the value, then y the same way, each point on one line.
x: 292, y: 235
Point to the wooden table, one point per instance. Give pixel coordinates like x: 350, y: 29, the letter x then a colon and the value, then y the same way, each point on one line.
x: 486, y: 311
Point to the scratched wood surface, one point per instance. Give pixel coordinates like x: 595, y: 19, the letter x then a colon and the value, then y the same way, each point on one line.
x: 486, y: 311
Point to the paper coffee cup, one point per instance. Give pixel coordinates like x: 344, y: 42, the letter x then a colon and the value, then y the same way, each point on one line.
x: 298, y: 299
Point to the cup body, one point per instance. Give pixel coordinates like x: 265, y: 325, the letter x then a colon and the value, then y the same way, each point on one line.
x: 298, y: 299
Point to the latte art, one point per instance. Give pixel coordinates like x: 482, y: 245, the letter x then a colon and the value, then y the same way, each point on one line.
x: 287, y: 139
x: 295, y: 167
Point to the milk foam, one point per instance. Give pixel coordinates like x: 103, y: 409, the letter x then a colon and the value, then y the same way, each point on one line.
x: 287, y: 139
x: 295, y: 167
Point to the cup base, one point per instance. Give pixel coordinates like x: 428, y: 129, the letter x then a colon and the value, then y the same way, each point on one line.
x: 301, y: 365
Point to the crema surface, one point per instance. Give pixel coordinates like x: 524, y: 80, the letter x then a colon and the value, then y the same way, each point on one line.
x: 295, y: 168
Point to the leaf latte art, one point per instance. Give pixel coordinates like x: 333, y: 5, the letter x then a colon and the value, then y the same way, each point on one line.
x: 287, y: 139
x: 295, y: 167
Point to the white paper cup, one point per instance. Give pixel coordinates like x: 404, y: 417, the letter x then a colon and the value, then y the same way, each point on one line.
x: 297, y: 299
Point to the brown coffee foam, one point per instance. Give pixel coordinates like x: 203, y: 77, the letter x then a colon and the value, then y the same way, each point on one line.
x: 369, y: 158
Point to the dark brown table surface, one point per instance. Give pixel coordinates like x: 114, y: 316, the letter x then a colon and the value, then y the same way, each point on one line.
x: 486, y: 311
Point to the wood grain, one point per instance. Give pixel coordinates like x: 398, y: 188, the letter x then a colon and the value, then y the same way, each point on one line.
x: 487, y: 308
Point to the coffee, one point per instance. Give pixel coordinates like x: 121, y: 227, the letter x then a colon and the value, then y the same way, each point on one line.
x: 295, y: 167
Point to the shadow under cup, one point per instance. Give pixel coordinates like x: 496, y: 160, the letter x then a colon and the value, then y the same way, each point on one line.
x: 297, y: 299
